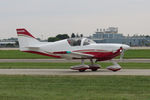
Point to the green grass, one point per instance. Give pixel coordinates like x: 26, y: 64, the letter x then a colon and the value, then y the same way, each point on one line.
x: 74, y: 88
x: 135, y: 65
x: 16, y: 54
x: 46, y: 65
x: 40, y: 65
x: 137, y: 54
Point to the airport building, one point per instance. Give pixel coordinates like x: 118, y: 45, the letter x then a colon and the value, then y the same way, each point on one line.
x: 11, y: 42
x: 111, y: 35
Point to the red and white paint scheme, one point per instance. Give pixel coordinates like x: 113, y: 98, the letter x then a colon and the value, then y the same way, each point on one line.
x: 73, y: 48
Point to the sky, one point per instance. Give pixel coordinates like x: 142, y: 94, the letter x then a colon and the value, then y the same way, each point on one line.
x: 45, y: 18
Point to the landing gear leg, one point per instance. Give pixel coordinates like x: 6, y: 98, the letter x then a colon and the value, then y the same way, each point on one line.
x: 80, y: 68
x: 93, y: 67
x: 82, y: 61
x: 114, y: 67
x: 83, y: 67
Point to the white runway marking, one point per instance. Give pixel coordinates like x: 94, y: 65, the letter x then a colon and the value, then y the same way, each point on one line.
x: 144, y: 72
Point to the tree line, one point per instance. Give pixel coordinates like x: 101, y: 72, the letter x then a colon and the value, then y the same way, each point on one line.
x: 64, y: 36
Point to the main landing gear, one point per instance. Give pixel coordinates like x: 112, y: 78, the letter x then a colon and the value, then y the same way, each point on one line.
x: 95, y: 67
x: 83, y: 67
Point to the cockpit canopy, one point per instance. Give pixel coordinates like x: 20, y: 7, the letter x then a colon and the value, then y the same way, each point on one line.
x: 79, y: 41
x: 88, y: 41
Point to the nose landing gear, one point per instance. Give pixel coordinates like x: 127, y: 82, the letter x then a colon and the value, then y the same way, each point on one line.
x: 115, y: 67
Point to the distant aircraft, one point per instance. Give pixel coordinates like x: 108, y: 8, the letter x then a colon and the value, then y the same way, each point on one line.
x: 73, y: 48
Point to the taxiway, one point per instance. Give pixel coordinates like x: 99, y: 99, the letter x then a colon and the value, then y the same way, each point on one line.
x: 143, y: 72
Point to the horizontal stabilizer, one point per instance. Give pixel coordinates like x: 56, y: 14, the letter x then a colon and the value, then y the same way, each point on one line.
x: 37, y: 46
x: 32, y: 47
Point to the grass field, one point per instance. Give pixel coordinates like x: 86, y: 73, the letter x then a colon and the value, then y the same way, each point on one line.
x: 137, y: 54
x: 74, y: 88
x: 43, y: 65
x: 16, y: 54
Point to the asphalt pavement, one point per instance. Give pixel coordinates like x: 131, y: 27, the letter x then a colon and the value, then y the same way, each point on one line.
x: 143, y: 72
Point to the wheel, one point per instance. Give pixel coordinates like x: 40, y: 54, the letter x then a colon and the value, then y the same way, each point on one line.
x: 94, y: 69
x: 81, y: 70
x: 114, y: 70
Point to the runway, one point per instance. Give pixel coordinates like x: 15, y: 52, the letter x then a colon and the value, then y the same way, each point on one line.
x: 64, y: 60
x: 143, y: 72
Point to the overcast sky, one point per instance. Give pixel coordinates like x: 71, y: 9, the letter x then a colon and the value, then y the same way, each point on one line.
x: 45, y: 18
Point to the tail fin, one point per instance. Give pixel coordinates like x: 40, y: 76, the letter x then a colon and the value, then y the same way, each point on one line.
x: 26, y: 40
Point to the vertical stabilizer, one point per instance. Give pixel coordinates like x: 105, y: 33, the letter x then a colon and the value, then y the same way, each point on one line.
x: 26, y: 39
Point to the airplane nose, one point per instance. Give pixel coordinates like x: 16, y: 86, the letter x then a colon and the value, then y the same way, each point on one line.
x: 126, y: 47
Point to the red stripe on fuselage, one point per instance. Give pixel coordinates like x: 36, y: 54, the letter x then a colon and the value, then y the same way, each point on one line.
x: 60, y: 52
x: 90, y: 50
x: 41, y: 53
x: 101, y: 56
x: 108, y: 55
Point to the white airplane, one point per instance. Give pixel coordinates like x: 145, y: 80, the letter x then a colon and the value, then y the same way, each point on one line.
x: 73, y: 48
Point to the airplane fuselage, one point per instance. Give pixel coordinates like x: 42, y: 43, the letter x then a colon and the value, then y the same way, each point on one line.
x: 59, y: 49
x: 72, y: 48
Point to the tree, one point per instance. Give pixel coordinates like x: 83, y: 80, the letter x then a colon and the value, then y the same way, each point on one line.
x: 62, y: 36
x: 52, y: 39
x: 73, y: 35
x: 81, y: 35
x: 58, y: 37
x: 147, y: 36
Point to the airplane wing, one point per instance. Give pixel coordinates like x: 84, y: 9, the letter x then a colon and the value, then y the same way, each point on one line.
x: 71, y: 55
x: 82, y: 54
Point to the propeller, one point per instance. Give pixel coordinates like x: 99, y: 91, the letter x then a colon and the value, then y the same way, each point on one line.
x: 122, y: 54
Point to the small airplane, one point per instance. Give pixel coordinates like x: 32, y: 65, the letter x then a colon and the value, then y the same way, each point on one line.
x: 73, y: 48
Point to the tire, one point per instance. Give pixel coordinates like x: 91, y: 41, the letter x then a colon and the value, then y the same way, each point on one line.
x: 94, y: 69
x: 81, y: 70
